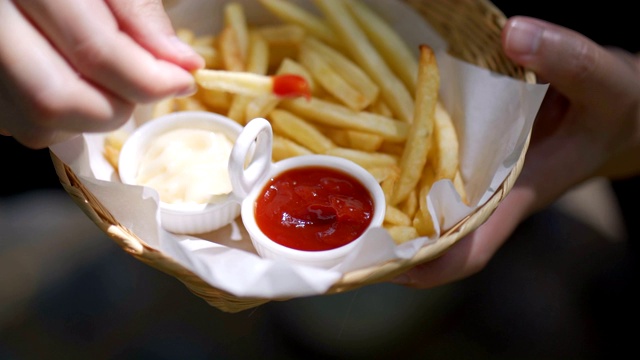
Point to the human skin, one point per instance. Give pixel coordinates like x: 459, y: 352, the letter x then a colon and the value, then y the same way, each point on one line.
x: 68, y: 67
x: 588, y: 125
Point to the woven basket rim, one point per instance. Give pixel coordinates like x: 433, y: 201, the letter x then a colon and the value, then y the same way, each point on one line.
x: 489, y: 18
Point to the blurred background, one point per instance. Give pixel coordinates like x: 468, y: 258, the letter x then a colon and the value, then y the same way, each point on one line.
x: 562, y: 287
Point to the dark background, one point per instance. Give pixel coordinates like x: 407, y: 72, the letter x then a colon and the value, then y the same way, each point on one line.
x: 558, y: 289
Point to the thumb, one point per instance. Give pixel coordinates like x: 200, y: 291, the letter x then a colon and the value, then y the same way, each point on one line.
x: 149, y: 25
x: 576, y: 66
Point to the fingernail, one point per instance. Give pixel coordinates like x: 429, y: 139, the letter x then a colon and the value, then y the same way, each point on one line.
x: 192, y: 89
x: 524, y: 37
x: 180, y: 46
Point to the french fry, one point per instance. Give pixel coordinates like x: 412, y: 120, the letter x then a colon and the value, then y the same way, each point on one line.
x: 402, y: 234
x: 423, y: 224
x: 390, y: 45
x: 232, y: 58
x: 446, y: 159
x: 423, y: 188
x: 410, y: 205
x: 163, y: 107
x: 113, y: 142
x: 218, y: 100
x: 294, y: 14
x: 339, y: 116
x: 235, y: 19
x: 381, y: 173
x: 414, y: 156
x: 325, y: 75
x: 300, y: 131
x: 189, y: 103
x: 395, y: 216
x: 245, y: 83
x: 284, y: 148
x: 282, y: 34
x: 458, y: 183
x: 364, y: 53
x: 364, y: 141
x: 261, y: 106
x: 257, y: 63
x: 346, y: 68
x: 380, y: 107
x: 363, y: 158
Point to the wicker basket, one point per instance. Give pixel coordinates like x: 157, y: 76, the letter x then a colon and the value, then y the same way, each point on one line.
x: 472, y: 29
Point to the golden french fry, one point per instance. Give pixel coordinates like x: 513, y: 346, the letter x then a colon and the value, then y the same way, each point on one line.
x: 235, y: 82
x: 257, y: 63
x: 365, y: 54
x: 163, y: 107
x: 294, y: 14
x: 392, y: 148
x: 388, y: 183
x: 336, y: 115
x: 381, y: 173
x: 364, y: 141
x: 260, y: 106
x: 426, y: 181
x: 234, y: 18
x: 401, y: 234
x: 189, y: 103
x: 446, y: 146
x: 218, y: 100
x: 395, y: 216
x: 458, y: 184
x: 423, y: 224
x: 410, y: 204
x: 380, y: 107
x: 284, y: 148
x: 232, y: 58
x: 346, y: 68
x: 331, y: 80
x: 113, y: 142
x: 414, y: 156
x: 258, y: 56
x: 363, y: 158
x: 282, y: 34
x: 390, y: 45
x: 237, y: 110
x: 300, y: 131
x: 208, y: 40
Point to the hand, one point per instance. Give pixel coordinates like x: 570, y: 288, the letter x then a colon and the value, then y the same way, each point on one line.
x: 588, y: 125
x: 69, y: 66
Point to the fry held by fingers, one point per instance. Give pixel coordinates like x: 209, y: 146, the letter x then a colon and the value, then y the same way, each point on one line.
x: 285, y: 85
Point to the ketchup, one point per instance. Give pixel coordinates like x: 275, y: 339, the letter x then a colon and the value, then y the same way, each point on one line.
x: 291, y: 85
x: 314, y: 208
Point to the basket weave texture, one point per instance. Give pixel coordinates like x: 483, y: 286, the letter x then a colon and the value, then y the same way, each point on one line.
x: 472, y: 29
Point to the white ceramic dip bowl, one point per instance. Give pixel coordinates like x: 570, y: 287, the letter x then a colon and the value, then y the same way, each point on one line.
x: 252, y: 171
x: 189, y: 169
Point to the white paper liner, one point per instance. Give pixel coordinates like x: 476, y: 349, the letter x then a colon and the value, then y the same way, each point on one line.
x: 493, y: 115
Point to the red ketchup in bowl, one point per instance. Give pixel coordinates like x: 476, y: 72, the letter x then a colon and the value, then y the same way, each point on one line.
x: 314, y: 208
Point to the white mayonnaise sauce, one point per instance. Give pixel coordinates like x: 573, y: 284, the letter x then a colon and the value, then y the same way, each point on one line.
x: 187, y: 166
